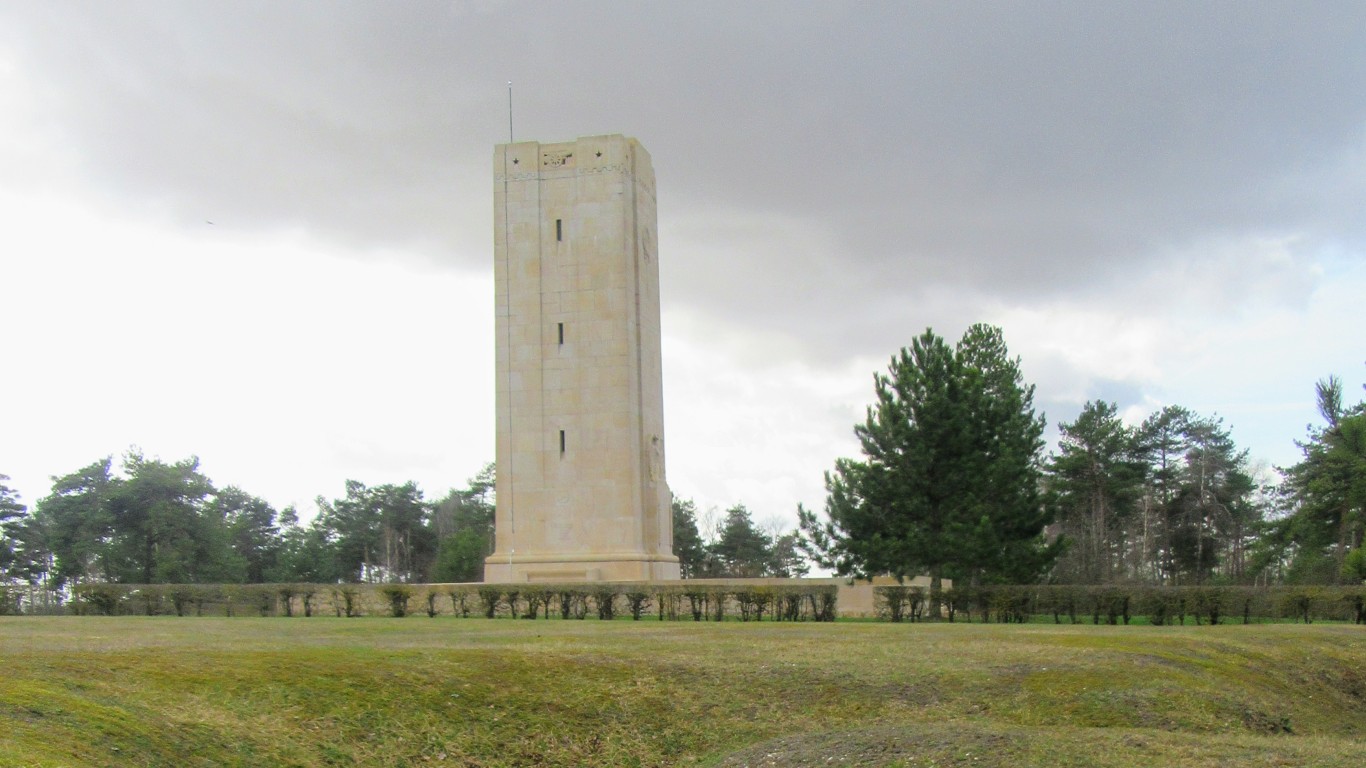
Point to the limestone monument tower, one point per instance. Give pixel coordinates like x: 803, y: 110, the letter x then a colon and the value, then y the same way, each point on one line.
x: 581, y: 488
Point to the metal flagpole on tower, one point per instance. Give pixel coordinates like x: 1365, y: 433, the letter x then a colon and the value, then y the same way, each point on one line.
x: 510, y: 139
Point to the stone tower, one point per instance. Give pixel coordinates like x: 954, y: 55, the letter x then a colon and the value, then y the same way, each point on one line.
x: 581, y: 488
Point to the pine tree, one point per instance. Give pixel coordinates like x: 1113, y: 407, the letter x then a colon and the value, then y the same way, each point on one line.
x: 949, y: 480
x: 688, y: 544
x: 1328, y: 487
x: 742, y: 551
x: 1096, y: 482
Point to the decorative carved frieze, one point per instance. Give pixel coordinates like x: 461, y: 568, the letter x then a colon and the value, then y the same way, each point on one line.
x: 558, y: 172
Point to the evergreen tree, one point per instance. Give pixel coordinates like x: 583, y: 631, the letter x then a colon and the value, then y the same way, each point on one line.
x: 949, y: 482
x: 1328, y: 490
x: 12, y: 516
x: 253, y: 533
x: 1162, y: 444
x: 1214, y: 508
x: 1096, y: 482
x: 742, y: 551
x: 1007, y: 542
x: 162, y: 530
x: 381, y: 534
x: 1169, y: 502
x: 153, y: 525
x: 306, y: 552
x: 787, y: 560
x: 463, y: 524
x: 688, y: 544
x: 10, y: 506
x: 77, y: 524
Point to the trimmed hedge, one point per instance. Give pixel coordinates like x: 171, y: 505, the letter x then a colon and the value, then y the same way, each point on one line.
x: 685, y: 601
x: 9, y: 601
x: 667, y: 602
x: 605, y: 600
x: 1120, y: 604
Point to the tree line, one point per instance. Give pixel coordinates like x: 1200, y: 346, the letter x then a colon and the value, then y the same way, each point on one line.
x: 954, y: 482
x: 735, y: 546
x: 1172, y: 501
x: 147, y: 521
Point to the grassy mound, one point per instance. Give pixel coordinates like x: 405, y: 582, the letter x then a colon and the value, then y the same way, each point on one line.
x: 319, y: 692
x: 967, y: 744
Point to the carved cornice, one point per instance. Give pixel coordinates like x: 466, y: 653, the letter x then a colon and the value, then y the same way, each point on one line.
x: 558, y: 172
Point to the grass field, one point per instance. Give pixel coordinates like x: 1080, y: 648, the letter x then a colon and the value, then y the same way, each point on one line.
x: 164, y: 691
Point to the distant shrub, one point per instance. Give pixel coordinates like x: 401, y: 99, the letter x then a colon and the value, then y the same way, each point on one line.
x: 717, y: 603
x: 264, y: 597
x: 182, y: 597
x: 538, y: 601
x: 460, y: 602
x: 605, y: 598
x: 1067, y: 601
x: 637, y: 601
x: 1299, y: 602
x: 489, y: 599
x: 951, y: 601
x: 1207, y: 604
x: 670, y: 603
x: 897, y: 603
x: 578, y: 604
x: 525, y: 604
x: 763, y: 602
x: 306, y: 594
x: 287, y: 593
x: 747, y: 601
x: 1247, y: 602
x: 100, y: 598
x: 230, y: 593
x: 1015, y: 605
x: 149, y: 597
x: 1111, y: 602
x: 346, y: 598
x: 1355, y: 600
x: 1152, y: 603
x: 398, y: 596
x: 787, y: 605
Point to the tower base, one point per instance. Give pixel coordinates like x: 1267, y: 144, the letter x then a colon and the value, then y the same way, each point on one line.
x: 561, y: 567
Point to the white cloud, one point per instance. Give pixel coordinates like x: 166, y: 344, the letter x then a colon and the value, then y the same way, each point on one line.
x: 749, y: 428
x: 285, y: 366
x: 1243, y: 330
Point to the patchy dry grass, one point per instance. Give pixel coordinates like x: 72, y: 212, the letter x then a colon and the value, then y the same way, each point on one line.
x: 319, y: 692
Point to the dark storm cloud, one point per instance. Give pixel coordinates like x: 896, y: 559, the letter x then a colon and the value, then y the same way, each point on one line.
x: 1028, y: 149
x: 323, y: 116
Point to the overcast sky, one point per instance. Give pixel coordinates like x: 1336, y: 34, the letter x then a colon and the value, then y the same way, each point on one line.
x: 261, y: 232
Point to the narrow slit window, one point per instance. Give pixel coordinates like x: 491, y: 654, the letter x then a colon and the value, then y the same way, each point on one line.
x: 561, y: 331
x: 559, y: 229
x: 562, y: 442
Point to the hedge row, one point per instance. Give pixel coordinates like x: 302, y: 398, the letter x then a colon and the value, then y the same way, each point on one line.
x: 529, y: 601
x: 717, y: 602
x: 9, y: 601
x: 1120, y: 604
